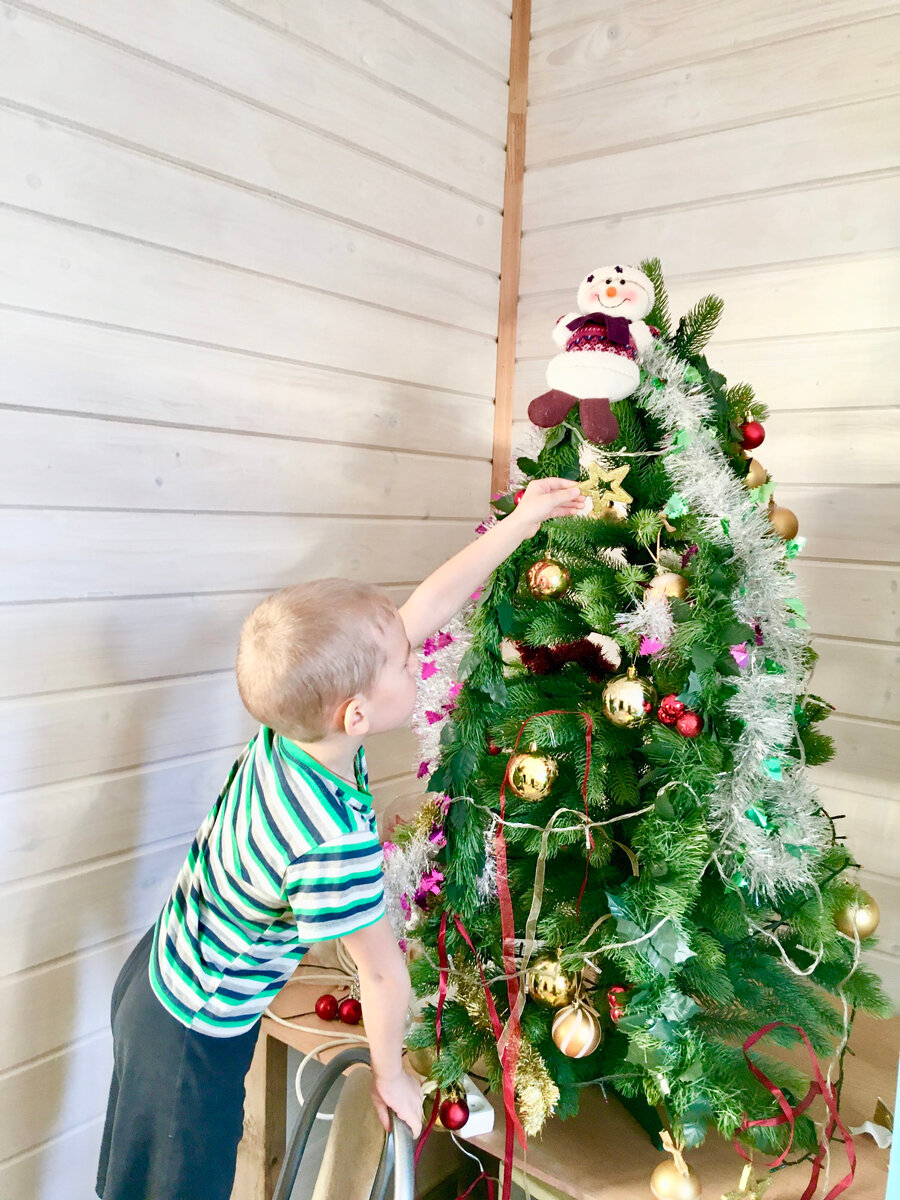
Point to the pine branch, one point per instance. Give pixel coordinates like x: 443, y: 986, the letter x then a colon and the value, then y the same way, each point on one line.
x: 697, y: 326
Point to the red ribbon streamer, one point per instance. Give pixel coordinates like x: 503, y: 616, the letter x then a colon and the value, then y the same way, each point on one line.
x: 818, y: 1087
x: 510, y: 1056
x: 444, y: 965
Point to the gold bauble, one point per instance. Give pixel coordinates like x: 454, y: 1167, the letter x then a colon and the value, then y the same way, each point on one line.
x: 666, y: 583
x: 667, y: 1183
x: 547, y: 579
x: 861, y: 914
x: 756, y: 475
x: 531, y: 774
x: 422, y: 1060
x: 629, y: 699
x: 548, y: 982
x: 783, y: 521
x: 576, y: 1030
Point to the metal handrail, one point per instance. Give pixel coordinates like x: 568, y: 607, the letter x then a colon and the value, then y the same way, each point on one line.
x: 397, y: 1157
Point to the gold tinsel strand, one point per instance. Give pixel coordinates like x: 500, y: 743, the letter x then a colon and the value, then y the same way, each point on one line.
x: 536, y: 1094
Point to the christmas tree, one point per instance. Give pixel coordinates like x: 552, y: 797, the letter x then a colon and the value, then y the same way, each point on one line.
x: 621, y: 872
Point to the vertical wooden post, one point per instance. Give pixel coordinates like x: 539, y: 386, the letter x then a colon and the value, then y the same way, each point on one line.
x: 511, y: 242
x: 262, y: 1146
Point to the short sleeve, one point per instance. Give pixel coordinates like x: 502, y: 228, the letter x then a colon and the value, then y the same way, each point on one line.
x: 336, y: 888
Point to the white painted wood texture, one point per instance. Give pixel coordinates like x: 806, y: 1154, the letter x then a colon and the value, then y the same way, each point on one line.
x: 248, y: 297
x: 754, y: 150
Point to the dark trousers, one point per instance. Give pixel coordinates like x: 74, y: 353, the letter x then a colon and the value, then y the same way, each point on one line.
x: 176, y: 1101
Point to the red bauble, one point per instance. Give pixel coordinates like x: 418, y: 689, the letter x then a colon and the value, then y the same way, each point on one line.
x: 350, y: 1011
x: 326, y: 1007
x: 493, y: 748
x: 670, y: 709
x: 453, y: 1113
x: 616, y: 997
x: 689, y: 724
x: 518, y: 496
x: 752, y: 435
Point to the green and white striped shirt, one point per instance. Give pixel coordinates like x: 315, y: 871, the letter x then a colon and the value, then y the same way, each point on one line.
x: 288, y: 856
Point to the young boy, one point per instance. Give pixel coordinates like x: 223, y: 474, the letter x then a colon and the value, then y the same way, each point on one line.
x: 288, y: 856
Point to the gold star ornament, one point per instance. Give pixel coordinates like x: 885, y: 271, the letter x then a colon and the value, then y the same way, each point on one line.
x: 604, y: 488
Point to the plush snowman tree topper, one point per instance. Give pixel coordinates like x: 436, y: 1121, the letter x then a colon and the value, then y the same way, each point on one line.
x: 600, y: 347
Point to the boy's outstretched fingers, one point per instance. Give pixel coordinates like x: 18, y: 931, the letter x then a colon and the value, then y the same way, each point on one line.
x: 545, y: 498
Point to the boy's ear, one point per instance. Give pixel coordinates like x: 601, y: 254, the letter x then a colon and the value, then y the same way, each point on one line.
x: 353, y: 718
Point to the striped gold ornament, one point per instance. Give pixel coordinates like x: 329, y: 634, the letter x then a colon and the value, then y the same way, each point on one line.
x: 576, y: 1030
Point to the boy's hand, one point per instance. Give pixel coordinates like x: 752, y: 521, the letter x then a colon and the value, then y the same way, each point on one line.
x: 402, y: 1095
x: 546, y: 498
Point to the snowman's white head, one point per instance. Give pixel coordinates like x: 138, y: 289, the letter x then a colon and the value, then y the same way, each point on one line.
x: 620, y: 291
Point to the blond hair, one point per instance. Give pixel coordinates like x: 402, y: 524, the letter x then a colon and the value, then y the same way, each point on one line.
x: 309, y: 647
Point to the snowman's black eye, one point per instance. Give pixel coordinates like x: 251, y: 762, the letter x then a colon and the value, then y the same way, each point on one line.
x: 609, y: 281
x: 590, y: 279
x: 622, y: 281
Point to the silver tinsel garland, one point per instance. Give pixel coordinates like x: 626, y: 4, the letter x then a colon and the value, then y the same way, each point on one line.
x: 765, y: 781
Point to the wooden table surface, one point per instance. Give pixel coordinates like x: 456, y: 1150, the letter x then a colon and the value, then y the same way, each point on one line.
x: 603, y: 1154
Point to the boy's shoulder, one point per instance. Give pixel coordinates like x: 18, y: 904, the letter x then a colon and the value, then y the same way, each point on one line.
x: 307, y: 801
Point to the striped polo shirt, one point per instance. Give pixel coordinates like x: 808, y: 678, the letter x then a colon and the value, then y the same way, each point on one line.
x: 288, y: 856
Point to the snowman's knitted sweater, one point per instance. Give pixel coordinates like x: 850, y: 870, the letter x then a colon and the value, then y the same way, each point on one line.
x: 593, y: 334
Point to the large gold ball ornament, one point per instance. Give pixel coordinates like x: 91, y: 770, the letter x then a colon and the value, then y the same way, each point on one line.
x: 422, y: 1060
x: 546, y: 579
x: 576, y: 1030
x: 531, y: 774
x: 667, y: 1183
x: 628, y: 700
x: 666, y: 584
x: 756, y: 475
x: 783, y: 521
x: 861, y: 915
x: 548, y: 982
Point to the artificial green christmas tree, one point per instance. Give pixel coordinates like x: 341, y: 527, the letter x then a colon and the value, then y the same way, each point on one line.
x: 622, y: 870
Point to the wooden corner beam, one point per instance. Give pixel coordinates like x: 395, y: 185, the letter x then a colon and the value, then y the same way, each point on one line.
x: 511, y: 243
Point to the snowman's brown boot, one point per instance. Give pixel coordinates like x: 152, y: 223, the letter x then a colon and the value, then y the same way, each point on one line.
x: 550, y: 408
x: 597, y: 421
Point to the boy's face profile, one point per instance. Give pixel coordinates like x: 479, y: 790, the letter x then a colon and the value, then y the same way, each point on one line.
x: 390, y: 700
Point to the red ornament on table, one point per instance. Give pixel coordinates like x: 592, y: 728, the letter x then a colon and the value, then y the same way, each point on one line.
x: 616, y: 996
x: 516, y: 499
x: 453, y: 1113
x: 689, y: 724
x: 670, y: 709
x: 752, y: 435
x: 350, y: 1011
x: 326, y: 1007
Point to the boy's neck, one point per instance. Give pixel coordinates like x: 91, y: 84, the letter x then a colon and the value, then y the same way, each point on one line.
x: 336, y: 751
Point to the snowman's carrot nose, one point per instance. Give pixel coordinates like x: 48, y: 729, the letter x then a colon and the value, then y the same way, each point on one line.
x: 610, y: 291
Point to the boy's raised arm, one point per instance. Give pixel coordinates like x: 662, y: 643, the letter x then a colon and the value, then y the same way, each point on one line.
x: 446, y: 590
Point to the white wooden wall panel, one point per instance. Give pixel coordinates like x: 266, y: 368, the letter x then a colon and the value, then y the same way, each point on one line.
x: 136, y: 100
x: 754, y: 150
x: 248, y: 297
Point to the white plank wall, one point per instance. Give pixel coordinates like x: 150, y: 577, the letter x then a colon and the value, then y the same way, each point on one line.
x: 753, y: 148
x: 248, y: 305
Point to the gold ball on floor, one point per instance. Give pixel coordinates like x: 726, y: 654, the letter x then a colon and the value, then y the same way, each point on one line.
x: 531, y: 775
x: 628, y: 699
x: 667, y: 1183
x: 784, y: 522
x: 861, y: 914
x: 547, y: 579
x: 666, y: 583
x: 548, y: 982
x: 576, y: 1030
